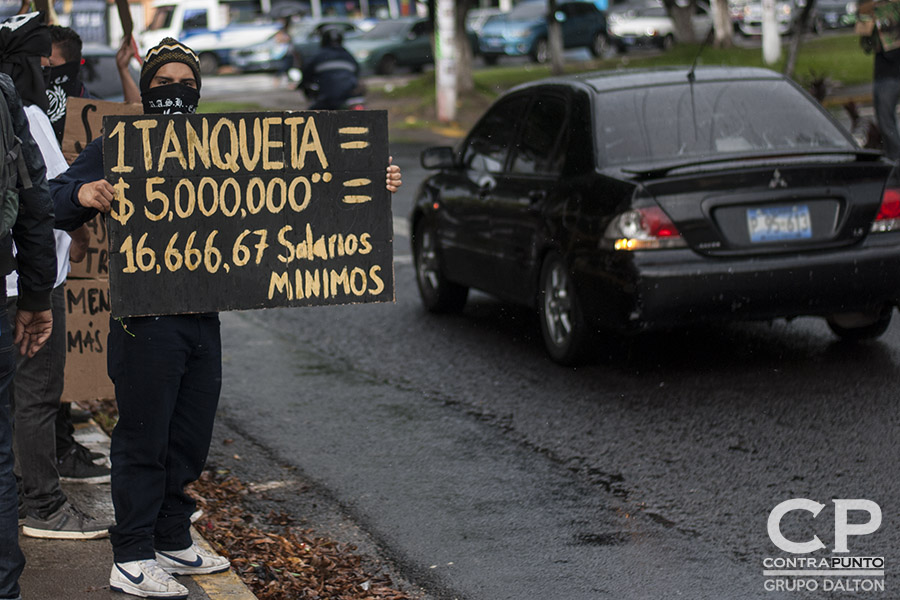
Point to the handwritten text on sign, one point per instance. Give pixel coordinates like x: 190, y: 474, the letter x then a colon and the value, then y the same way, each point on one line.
x: 236, y: 211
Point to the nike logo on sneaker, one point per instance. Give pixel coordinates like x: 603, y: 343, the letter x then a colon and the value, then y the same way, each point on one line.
x: 188, y: 563
x: 136, y: 580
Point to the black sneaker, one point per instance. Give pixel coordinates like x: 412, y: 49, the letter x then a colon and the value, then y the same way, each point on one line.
x: 78, y: 414
x: 74, y: 468
x: 67, y: 523
x: 89, y: 455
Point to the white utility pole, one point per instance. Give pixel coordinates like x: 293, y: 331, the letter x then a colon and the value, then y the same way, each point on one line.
x: 445, y: 61
x: 771, y: 40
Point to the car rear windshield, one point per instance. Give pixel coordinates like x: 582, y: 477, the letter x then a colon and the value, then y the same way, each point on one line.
x: 710, y: 119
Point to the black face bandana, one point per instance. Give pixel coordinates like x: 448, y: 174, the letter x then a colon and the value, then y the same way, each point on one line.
x: 170, y: 99
x: 62, y: 81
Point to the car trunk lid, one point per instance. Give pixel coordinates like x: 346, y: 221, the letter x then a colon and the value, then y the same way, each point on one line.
x: 769, y: 208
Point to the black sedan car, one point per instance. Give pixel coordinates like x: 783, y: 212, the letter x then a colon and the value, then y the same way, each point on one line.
x: 629, y: 201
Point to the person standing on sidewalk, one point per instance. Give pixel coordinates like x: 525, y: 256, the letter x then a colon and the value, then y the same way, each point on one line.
x: 885, y: 95
x: 886, y: 78
x: 36, y: 265
x: 37, y: 386
x: 167, y: 372
x: 75, y: 462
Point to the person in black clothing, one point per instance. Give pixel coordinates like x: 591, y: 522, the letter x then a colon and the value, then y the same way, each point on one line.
x: 36, y: 265
x: 167, y: 372
x: 885, y: 94
x: 332, y: 75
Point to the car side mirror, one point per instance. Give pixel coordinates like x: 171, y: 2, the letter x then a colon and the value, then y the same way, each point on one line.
x: 438, y: 157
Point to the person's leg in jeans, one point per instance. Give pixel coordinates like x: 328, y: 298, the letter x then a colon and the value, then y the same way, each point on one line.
x: 885, y: 95
x: 12, y: 561
x: 190, y: 433
x: 35, y: 395
x: 146, y: 363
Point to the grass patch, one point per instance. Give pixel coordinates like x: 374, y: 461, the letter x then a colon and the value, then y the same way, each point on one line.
x: 835, y: 57
x: 217, y: 106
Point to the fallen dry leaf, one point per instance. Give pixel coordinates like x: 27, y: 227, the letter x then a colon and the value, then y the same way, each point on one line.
x: 277, y: 561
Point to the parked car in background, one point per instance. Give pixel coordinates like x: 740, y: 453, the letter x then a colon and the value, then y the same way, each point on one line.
x: 307, y: 35
x: 627, y: 201
x: 212, y: 28
x: 834, y: 14
x: 397, y: 43
x: 477, y: 17
x: 278, y: 54
x: 523, y: 31
x: 648, y: 24
x: 100, y: 74
x: 746, y: 16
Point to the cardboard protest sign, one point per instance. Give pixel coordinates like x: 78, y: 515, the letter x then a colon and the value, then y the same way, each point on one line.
x: 235, y: 211
x: 87, y: 326
x: 96, y: 262
x: 84, y: 122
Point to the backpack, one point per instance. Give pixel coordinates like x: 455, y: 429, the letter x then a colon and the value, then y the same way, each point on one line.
x: 12, y: 171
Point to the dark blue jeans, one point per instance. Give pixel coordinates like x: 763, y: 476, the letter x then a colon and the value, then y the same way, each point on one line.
x: 885, y: 95
x: 11, y: 559
x: 167, y: 373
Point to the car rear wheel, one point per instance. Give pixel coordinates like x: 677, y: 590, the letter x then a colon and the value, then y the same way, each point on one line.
x: 438, y: 294
x: 209, y: 63
x: 862, y: 325
x: 387, y: 65
x: 541, y: 52
x: 667, y: 42
x: 562, y: 321
x: 600, y: 45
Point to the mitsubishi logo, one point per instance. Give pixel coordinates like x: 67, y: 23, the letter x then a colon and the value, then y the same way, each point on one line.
x: 777, y: 180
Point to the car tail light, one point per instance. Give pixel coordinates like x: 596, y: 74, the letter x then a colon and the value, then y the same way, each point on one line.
x: 643, y: 229
x: 888, y: 218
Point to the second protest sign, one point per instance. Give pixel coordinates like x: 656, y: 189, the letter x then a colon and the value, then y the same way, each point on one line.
x: 235, y: 211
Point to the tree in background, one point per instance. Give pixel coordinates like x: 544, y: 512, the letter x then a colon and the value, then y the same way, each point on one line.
x: 681, y: 14
x: 722, y: 25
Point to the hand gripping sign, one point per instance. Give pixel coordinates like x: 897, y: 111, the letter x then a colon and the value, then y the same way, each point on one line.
x: 236, y: 211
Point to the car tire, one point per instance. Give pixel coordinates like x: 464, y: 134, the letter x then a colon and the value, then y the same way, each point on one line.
x: 562, y: 321
x: 667, y: 42
x: 600, y: 45
x: 541, y: 52
x: 209, y: 63
x: 857, y: 327
x: 438, y: 294
x: 387, y: 65
x: 490, y: 59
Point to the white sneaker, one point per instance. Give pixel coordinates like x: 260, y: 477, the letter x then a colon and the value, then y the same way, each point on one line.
x: 146, y: 579
x: 193, y: 560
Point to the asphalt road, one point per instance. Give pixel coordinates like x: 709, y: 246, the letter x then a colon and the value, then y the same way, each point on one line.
x: 465, y: 463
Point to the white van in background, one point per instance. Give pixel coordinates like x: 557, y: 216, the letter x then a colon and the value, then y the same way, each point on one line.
x: 212, y: 28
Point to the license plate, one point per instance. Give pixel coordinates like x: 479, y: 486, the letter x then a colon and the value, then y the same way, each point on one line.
x: 779, y: 223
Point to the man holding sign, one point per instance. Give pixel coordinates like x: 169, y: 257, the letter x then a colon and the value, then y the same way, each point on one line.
x: 167, y: 374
